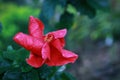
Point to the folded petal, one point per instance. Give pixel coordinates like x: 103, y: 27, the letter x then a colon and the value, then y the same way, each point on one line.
x: 69, y: 55
x: 29, y: 43
x: 35, y: 61
x: 62, y: 41
x: 45, y: 51
x: 59, y: 33
x: 36, y: 27
x: 57, y: 59
x: 57, y: 44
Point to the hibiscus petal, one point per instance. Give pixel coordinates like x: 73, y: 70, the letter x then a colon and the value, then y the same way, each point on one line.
x: 40, y: 24
x: 36, y: 27
x: 59, y: 33
x: 29, y: 43
x: 35, y: 61
x: 45, y: 51
x: 57, y: 59
x: 56, y: 43
x: 69, y: 55
x: 62, y: 41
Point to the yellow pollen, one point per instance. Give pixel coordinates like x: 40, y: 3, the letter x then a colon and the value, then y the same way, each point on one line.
x: 48, y: 38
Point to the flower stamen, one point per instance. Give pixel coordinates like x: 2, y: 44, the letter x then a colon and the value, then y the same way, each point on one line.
x: 48, y: 38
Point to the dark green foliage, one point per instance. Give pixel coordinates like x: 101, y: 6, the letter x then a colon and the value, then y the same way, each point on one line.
x: 4, y: 65
x: 18, y: 55
x: 46, y: 72
x: 0, y: 27
x: 48, y: 10
x: 12, y: 75
x: 84, y: 7
x: 64, y: 76
x: 20, y: 2
x: 14, y: 67
x: 66, y: 20
x: 25, y: 67
x: 17, y: 74
x: 31, y: 75
x: 99, y: 4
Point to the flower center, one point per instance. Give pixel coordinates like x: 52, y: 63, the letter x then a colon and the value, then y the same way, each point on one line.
x: 48, y: 38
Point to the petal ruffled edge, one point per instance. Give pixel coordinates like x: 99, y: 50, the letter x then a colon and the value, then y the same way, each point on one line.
x: 28, y: 42
x: 58, y: 58
x: 69, y: 55
x: 59, y: 33
x: 36, y: 27
x: 35, y: 61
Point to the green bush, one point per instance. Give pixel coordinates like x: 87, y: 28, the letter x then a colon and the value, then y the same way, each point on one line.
x: 13, y: 19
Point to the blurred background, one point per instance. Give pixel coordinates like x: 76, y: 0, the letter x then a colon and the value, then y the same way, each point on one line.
x: 93, y: 31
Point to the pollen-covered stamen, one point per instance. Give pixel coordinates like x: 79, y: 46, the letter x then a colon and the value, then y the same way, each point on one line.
x: 48, y: 38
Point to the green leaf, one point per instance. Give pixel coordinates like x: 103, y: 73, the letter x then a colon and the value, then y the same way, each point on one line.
x: 71, y: 9
x: 17, y: 58
x: 9, y: 48
x: 10, y: 55
x: 67, y: 76
x: 22, y: 54
x: 25, y: 67
x: 19, y: 55
x: 66, y: 20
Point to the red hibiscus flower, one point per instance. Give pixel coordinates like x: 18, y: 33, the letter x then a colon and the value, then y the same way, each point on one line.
x: 48, y: 49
